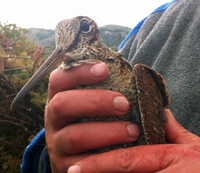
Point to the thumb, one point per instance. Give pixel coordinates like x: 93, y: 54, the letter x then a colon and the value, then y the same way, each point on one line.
x: 175, y: 133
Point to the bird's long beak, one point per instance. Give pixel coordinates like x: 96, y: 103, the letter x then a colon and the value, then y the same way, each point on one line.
x: 54, y: 59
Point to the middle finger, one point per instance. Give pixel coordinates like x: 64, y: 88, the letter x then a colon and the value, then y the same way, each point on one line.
x: 67, y: 106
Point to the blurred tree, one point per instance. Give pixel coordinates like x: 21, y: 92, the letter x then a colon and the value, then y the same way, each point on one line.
x: 19, y: 58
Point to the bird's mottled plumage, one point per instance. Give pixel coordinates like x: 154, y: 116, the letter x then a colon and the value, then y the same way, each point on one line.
x: 78, y: 41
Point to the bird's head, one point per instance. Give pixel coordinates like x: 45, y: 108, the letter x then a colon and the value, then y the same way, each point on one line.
x: 80, y: 41
x: 77, y: 39
x: 75, y: 33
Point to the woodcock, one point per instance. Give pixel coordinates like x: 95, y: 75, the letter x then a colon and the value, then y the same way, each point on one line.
x: 78, y: 41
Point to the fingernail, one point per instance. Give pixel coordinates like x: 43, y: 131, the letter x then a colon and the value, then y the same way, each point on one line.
x: 98, y: 70
x: 121, y: 104
x: 74, y: 169
x: 133, y: 130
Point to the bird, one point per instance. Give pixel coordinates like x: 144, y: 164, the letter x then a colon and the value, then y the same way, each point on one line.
x: 78, y: 42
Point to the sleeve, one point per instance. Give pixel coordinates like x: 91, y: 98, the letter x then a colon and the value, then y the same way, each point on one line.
x: 35, y: 158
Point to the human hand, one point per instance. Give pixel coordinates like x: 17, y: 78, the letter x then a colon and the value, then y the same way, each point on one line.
x: 68, y: 143
x: 182, y: 155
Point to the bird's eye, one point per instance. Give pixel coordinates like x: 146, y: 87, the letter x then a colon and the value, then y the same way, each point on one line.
x: 85, y: 26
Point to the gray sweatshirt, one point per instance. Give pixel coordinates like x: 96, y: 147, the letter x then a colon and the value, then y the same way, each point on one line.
x: 168, y: 41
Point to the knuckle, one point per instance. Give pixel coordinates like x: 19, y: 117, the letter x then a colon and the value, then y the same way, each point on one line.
x: 53, y: 76
x: 58, y: 104
x: 124, y: 159
x: 75, y: 138
x: 49, y: 147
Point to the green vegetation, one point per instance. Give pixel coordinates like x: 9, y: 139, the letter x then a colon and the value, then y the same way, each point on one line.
x: 19, y: 58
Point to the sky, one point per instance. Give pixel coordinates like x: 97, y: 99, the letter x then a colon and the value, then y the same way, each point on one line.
x: 47, y: 13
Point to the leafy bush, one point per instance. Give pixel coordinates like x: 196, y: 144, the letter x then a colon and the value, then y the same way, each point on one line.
x: 19, y: 59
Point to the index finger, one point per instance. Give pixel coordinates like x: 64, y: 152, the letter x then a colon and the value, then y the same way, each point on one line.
x: 86, y: 74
